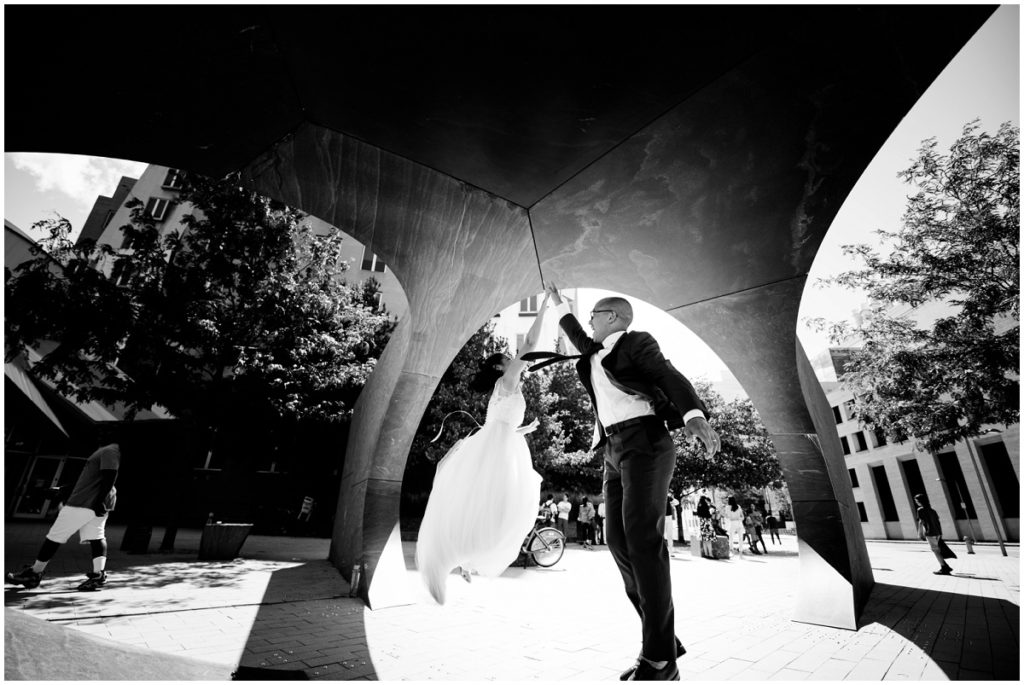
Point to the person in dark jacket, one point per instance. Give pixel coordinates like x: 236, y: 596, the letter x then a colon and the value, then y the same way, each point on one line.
x: 635, y: 391
x: 930, y: 529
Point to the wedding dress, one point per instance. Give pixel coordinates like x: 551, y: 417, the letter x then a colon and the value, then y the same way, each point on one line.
x: 484, y: 499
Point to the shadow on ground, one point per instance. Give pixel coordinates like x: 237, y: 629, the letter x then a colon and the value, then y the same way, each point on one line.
x: 307, y: 623
x: 970, y: 638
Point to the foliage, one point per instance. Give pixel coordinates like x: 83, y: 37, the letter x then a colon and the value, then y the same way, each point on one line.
x: 561, y: 444
x: 958, y: 244
x: 240, y: 310
x: 453, y: 394
x: 747, y: 457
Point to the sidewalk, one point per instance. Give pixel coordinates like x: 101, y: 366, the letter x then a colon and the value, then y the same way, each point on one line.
x: 283, y: 607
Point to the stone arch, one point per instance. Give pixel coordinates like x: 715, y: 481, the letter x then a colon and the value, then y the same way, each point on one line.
x: 696, y: 166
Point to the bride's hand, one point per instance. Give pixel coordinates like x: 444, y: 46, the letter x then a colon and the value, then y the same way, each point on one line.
x: 528, y: 428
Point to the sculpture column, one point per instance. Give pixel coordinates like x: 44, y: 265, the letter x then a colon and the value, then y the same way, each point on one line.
x: 461, y: 255
x: 754, y: 332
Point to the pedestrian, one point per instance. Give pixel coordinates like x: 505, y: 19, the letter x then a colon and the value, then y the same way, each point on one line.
x: 543, y: 514
x: 553, y: 510
x: 599, y: 524
x: 670, y: 524
x: 634, y: 390
x: 85, y: 512
x: 748, y: 527
x: 563, y: 509
x: 734, y: 515
x: 584, y: 525
x: 707, y: 528
x: 930, y: 529
x: 773, y: 528
x: 758, y: 519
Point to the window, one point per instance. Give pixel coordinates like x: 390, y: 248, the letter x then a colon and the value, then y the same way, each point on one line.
x: 173, y: 179
x: 157, y: 208
x: 121, y: 272
x: 912, y: 476
x: 863, y: 512
x: 880, y: 438
x: 837, y: 414
x: 862, y: 443
x: 853, y: 478
x: 851, y: 411
x: 846, y: 444
x: 956, y: 486
x: 1003, y: 478
x: 528, y: 307
x: 885, y: 494
x: 371, y: 262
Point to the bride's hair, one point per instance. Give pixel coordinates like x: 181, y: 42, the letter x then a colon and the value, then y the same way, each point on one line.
x: 486, y: 375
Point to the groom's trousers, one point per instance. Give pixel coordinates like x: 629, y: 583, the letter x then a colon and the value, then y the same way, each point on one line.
x: 639, y: 460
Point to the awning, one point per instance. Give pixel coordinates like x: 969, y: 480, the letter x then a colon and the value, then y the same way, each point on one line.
x: 98, y: 411
x: 25, y: 384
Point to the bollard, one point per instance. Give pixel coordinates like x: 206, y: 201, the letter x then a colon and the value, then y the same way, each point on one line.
x: 970, y: 544
x: 353, y: 586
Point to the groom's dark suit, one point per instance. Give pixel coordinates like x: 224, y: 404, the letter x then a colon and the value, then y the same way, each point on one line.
x: 639, y: 460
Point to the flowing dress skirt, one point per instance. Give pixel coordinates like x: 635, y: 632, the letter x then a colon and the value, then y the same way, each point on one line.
x: 482, y: 506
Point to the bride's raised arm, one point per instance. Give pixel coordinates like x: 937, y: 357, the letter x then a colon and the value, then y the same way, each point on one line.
x: 511, y: 376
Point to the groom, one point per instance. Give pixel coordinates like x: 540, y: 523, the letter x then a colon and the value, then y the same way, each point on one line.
x: 635, y: 391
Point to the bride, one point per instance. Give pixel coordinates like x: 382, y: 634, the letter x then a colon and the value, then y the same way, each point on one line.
x: 484, y: 499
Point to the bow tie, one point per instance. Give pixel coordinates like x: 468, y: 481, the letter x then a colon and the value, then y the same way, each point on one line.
x: 555, y: 357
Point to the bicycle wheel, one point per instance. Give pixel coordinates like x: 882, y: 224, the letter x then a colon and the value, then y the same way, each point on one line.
x: 547, y: 547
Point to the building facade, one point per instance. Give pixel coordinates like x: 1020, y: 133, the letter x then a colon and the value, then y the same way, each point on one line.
x: 158, y: 187
x: 973, y: 485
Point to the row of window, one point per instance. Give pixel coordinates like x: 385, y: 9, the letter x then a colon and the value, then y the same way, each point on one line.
x: 858, y: 442
x: 1003, y: 479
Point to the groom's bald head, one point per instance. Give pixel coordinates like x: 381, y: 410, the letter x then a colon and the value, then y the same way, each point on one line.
x: 610, y: 315
x: 622, y: 308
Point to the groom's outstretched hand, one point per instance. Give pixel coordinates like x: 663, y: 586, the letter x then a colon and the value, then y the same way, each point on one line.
x: 700, y: 427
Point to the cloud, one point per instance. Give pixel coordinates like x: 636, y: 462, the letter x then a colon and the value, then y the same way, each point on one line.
x: 81, y: 178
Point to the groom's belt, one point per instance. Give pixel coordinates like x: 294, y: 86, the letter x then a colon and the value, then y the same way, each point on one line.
x: 623, y: 425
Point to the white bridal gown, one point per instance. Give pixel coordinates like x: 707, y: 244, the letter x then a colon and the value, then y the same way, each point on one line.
x: 484, y: 499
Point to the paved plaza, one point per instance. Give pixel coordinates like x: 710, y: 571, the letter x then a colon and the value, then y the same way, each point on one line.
x: 283, y: 607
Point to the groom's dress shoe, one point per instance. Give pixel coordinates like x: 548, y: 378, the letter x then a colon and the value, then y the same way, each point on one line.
x: 628, y: 673
x: 644, y: 671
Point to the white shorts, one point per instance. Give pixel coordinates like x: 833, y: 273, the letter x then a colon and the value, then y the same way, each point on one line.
x: 71, y: 519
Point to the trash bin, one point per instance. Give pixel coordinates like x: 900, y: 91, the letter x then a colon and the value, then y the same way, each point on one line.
x: 222, y: 541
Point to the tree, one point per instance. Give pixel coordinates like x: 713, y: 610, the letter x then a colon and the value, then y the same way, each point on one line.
x: 239, y: 324
x: 959, y: 244
x: 747, y: 457
x: 561, y: 443
x: 243, y: 308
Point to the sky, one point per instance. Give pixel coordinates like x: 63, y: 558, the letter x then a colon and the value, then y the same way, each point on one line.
x: 983, y: 82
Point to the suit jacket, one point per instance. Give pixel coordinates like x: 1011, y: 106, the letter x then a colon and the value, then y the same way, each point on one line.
x: 636, y: 366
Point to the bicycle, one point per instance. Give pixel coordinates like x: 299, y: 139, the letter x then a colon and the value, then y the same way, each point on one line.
x: 544, y: 545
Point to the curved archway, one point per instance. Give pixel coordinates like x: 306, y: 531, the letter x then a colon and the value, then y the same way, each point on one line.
x: 701, y: 179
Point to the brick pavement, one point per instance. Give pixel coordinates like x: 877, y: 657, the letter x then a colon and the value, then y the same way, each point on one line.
x: 283, y: 607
